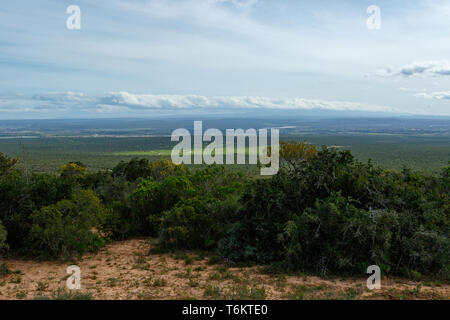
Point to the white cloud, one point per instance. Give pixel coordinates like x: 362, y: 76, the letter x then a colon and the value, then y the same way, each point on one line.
x: 126, y: 103
x: 60, y: 97
x: 445, y: 95
x: 225, y: 47
x: 422, y: 68
x: 234, y: 102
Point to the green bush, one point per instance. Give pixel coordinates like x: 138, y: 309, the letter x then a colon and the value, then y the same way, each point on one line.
x: 15, y: 206
x: 151, y: 198
x: 336, y: 236
x: 115, y: 193
x: 330, y: 213
x: 200, y: 217
x: 67, y: 227
x: 3, y: 245
x: 254, y: 234
x: 427, y: 252
x: 142, y: 168
x: 196, y: 223
x: 22, y: 193
x: 324, y: 211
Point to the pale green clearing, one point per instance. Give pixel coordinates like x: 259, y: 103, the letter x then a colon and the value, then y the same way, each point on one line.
x: 168, y: 152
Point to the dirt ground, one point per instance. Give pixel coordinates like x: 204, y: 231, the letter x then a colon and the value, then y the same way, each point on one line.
x: 127, y: 270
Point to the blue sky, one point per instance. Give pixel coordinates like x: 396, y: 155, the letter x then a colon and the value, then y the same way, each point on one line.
x: 145, y: 57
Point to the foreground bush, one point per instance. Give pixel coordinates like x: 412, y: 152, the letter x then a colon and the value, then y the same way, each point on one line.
x: 328, y: 213
x: 335, y: 235
x: 324, y: 212
x: 21, y: 194
x: 197, y: 223
x: 3, y: 245
x: 161, y: 207
x: 67, y: 227
x: 201, y: 217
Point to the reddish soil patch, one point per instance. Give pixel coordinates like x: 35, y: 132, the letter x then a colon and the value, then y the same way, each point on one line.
x: 126, y: 270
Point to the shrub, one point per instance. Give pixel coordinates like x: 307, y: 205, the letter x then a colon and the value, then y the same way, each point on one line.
x: 21, y: 194
x: 15, y: 206
x: 120, y: 223
x: 6, y: 164
x: 336, y: 236
x: 200, y: 218
x: 151, y: 198
x: 47, y: 189
x: 428, y: 252
x: 327, y: 212
x: 3, y: 245
x: 73, y: 170
x: 196, y: 223
x: 67, y: 227
x: 123, y: 221
x: 160, y: 170
x: 132, y: 170
x: 254, y: 234
x: 324, y: 211
x: 142, y: 168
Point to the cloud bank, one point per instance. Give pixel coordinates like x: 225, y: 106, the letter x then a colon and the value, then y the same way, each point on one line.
x: 444, y: 95
x: 126, y: 103
x: 241, y: 102
x: 422, y: 68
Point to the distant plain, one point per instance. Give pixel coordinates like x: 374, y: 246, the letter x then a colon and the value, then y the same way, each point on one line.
x: 45, y: 145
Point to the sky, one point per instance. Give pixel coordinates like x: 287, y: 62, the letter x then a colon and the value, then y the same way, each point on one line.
x: 151, y: 57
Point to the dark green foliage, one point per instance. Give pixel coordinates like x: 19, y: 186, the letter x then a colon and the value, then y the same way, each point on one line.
x: 6, y: 164
x: 138, y: 192
x: 46, y: 189
x: 143, y: 168
x: 67, y: 227
x: 324, y: 211
x: 197, y: 223
x: 254, y: 236
x: 445, y: 180
x: 3, y: 245
x: 154, y: 201
x: 330, y: 213
x: 335, y: 235
x: 20, y: 196
x: 199, y: 218
x: 15, y: 202
x: 115, y: 193
x: 151, y: 198
x: 133, y: 169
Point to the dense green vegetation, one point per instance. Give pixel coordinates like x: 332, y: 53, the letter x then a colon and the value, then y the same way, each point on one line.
x: 323, y: 212
x: 425, y: 153
x: 3, y: 234
x: 330, y: 213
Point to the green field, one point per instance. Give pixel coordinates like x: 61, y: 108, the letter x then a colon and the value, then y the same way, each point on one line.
x: 168, y: 152
x: 427, y: 154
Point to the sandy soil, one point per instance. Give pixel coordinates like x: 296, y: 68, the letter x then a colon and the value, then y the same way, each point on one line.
x: 126, y: 270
